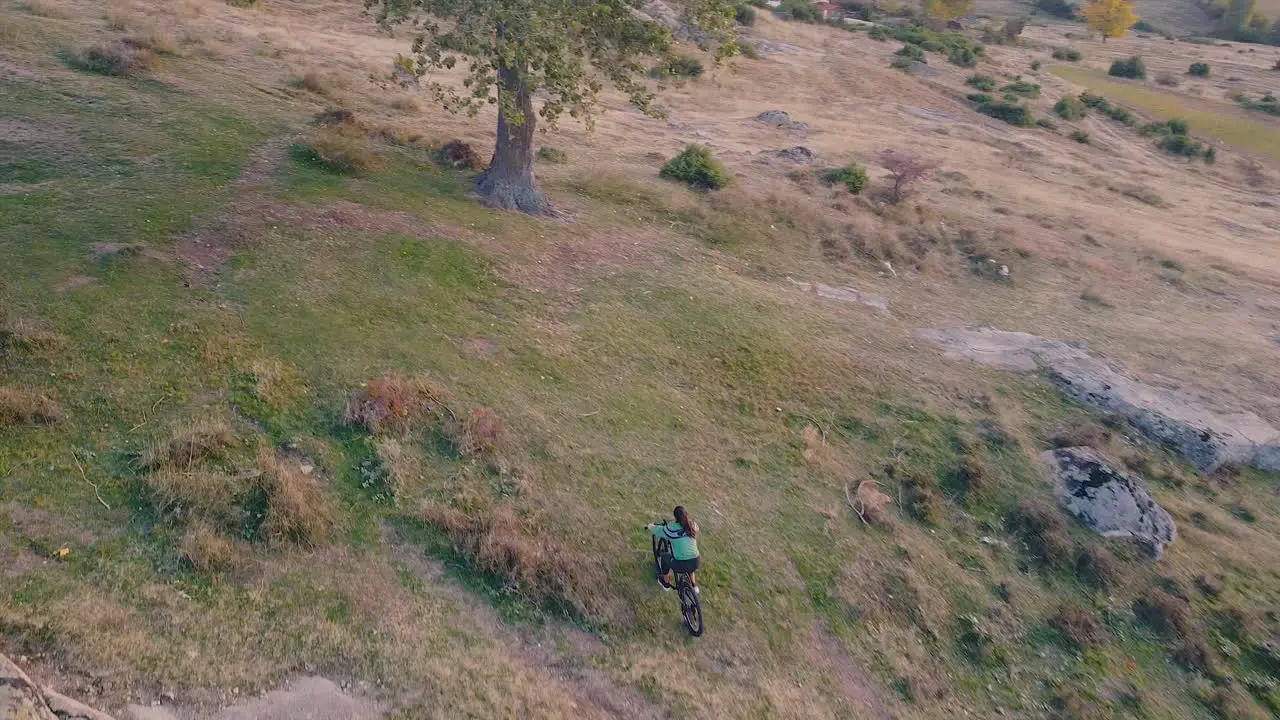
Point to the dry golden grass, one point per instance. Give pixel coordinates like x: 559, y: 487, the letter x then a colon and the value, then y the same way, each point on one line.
x: 344, y: 149
x: 297, y: 508
x: 498, y: 541
x: 482, y: 433
x: 29, y: 337
x: 10, y: 32
x: 190, y: 442
x: 402, y: 464
x: 19, y: 407
x: 276, y: 382
x: 198, y: 493
x: 209, y: 551
x: 48, y: 9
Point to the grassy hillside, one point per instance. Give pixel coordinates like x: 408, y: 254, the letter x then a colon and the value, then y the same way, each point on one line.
x: 260, y: 419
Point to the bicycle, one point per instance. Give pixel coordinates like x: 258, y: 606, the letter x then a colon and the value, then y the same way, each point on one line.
x: 690, y: 607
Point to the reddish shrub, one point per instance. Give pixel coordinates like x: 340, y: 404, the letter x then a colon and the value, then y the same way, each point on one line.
x: 392, y: 403
x: 458, y: 154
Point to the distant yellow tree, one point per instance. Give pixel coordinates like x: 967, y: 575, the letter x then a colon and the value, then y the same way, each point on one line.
x: 947, y: 10
x: 1110, y: 18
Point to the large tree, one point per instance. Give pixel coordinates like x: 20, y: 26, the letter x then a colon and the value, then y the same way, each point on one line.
x: 1109, y: 18
x: 564, y: 51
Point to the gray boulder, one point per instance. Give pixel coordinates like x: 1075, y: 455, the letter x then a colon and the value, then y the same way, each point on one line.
x: 781, y: 120
x: 1207, y: 438
x: 798, y: 154
x: 1106, y: 499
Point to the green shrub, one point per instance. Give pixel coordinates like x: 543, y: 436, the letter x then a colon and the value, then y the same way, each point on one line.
x: 1011, y: 113
x: 1070, y: 108
x: 1119, y: 113
x: 986, y: 83
x: 745, y: 15
x: 749, y: 51
x: 1268, y: 104
x: 1144, y: 26
x: 902, y: 63
x: 114, y: 58
x: 552, y: 155
x: 679, y: 66
x: 1035, y: 65
x: 1080, y: 136
x: 963, y: 56
x: 879, y: 32
x: 914, y: 52
x: 1199, y: 70
x: 1066, y: 53
x: 852, y: 176
x: 800, y: 10
x: 1173, y: 138
x: 1134, y: 68
x: 979, y: 98
x: 1058, y: 8
x: 697, y: 167
x: 1046, y: 123
x: 1022, y: 88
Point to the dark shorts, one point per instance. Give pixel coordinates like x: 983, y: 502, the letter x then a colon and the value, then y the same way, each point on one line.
x: 684, y: 566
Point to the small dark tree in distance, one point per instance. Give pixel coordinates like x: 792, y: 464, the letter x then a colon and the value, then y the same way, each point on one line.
x: 904, y: 170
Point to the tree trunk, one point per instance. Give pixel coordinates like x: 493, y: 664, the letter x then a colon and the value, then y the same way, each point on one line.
x: 508, y: 182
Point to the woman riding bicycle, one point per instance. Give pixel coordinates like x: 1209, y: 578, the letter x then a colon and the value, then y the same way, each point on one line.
x: 683, y: 536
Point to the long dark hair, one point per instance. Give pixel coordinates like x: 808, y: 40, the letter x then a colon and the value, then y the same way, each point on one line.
x: 682, y: 517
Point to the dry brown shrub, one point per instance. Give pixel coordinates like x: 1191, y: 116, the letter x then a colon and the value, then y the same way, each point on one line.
x: 320, y: 83
x: 190, y: 442
x: 405, y: 104
x: 483, y: 433
x: 155, y: 38
x: 458, y: 154
x: 1097, y: 567
x: 540, y: 570
x: 297, y: 508
x: 398, y: 136
x: 1079, y: 431
x: 207, y: 551
x: 1042, y: 530
x: 971, y: 475
x: 1078, y: 627
x: 870, y: 504
x: 1195, y: 655
x: 1164, y: 613
x: 343, y: 149
x: 392, y: 403
x: 19, y: 407
x: 118, y: 16
x: 334, y: 117
x: 197, y: 493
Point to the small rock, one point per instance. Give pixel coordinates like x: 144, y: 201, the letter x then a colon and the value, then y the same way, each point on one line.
x: 798, y: 154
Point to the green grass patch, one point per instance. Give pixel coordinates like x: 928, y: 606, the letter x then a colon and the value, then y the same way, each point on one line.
x: 1212, y: 120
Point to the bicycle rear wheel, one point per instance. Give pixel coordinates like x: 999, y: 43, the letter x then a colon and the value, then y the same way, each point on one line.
x: 690, y: 607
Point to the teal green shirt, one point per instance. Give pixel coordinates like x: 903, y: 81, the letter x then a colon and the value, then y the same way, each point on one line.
x: 683, y: 547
